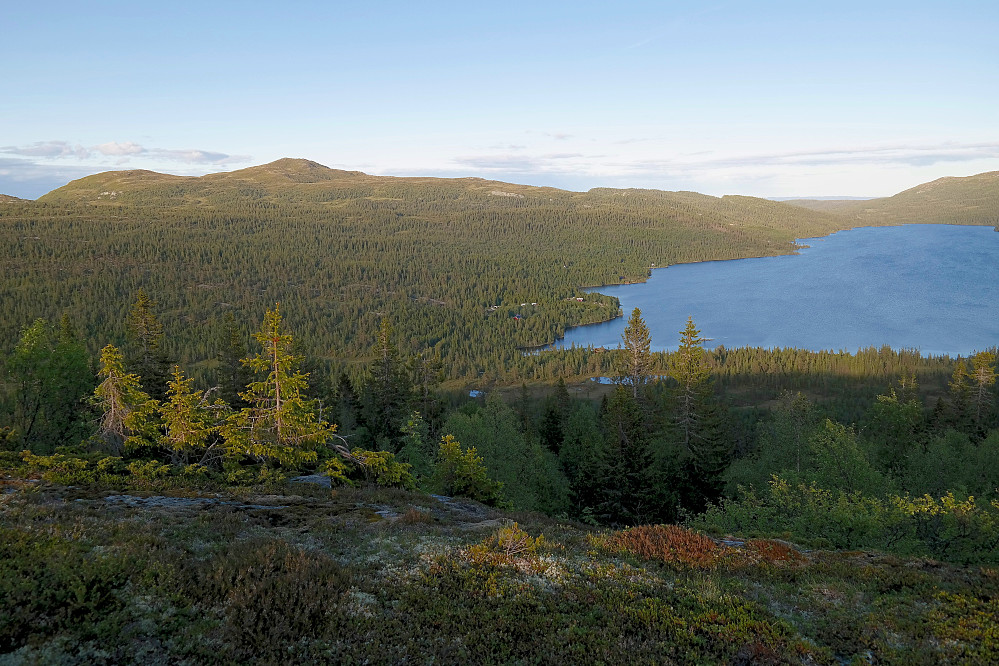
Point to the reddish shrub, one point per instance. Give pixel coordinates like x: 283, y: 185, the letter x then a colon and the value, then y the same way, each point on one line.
x: 669, y: 543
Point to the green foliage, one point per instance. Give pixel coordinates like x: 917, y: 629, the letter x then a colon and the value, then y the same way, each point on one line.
x: 637, y: 357
x: 417, y: 448
x: 190, y: 424
x: 128, y: 418
x: 528, y: 472
x: 782, y: 443
x: 840, y: 463
x: 695, y: 413
x: 145, y: 353
x: 897, y: 428
x: 461, y: 472
x: 624, y: 488
x: 386, y: 401
x: 382, y: 468
x: 949, y: 528
x: 952, y: 461
x: 49, y: 376
x: 280, y: 422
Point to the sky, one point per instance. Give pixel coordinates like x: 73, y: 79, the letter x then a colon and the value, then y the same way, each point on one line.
x: 773, y: 99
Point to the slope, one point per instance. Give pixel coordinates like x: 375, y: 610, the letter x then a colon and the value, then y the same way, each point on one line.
x: 969, y: 200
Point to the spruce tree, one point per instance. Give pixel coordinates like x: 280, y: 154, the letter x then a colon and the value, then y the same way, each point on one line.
x: 190, y: 421
x: 637, y: 357
x: 129, y: 417
x: 696, y: 414
x: 982, y: 379
x: 388, y: 394
x: 145, y: 354
x: 233, y: 374
x: 280, y: 422
x: 626, y: 493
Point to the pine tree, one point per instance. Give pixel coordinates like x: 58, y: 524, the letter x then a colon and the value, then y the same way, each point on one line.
x: 637, y: 358
x: 280, y: 422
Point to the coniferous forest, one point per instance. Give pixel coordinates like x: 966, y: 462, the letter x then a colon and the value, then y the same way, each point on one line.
x: 291, y: 326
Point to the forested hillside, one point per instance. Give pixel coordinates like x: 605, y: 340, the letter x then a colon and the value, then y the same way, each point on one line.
x: 470, y: 269
x: 451, y: 262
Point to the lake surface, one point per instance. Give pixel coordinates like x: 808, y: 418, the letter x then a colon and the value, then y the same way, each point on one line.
x: 934, y: 288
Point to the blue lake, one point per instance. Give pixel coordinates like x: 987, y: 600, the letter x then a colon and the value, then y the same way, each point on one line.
x: 934, y: 288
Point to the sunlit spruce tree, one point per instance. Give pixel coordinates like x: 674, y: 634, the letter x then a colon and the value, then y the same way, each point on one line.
x: 982, y: 379
x: 190, y: 422
x: 280, y: 423
x: 128, y: 416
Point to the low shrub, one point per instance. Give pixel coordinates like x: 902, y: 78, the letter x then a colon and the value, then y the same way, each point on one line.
x: 510, y: 541
x: 668, y: 543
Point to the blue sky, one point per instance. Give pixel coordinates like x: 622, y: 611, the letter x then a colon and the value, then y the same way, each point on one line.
x: 760, y: 98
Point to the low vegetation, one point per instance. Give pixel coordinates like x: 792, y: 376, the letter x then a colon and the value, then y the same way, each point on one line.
x: 278, y: 573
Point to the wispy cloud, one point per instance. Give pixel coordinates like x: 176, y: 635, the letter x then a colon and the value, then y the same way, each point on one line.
x: 899, y: 154
x: 47, y: 149
x: 123, y: 151
x: 699, y: 162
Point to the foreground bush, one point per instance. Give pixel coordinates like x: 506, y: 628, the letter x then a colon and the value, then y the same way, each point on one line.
x: 946, y: 528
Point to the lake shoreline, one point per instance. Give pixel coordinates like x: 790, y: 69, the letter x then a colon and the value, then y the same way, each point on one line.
x: 880, y: 305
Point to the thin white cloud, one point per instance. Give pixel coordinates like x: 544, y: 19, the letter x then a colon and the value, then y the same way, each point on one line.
x: 123, y: 150
x: 48, y: 149
x: 691, y: 164
x: 120, y: 149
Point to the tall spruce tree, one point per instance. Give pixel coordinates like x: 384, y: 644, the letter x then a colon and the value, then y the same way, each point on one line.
x: 280, y: 423
x: 145, y: 354
x: 637, y: 357
x: 233, y: 375
x: 626, y: 493
x: 190, y: 421
x: 389, y: 393
x: 982, y: 379
x: 696, y: 413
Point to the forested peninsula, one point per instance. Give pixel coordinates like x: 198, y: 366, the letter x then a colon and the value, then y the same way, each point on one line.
x: 236, y: 425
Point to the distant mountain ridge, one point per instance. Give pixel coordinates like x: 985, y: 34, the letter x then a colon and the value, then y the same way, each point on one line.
x: 952, y: 200
x: 964, y: 200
